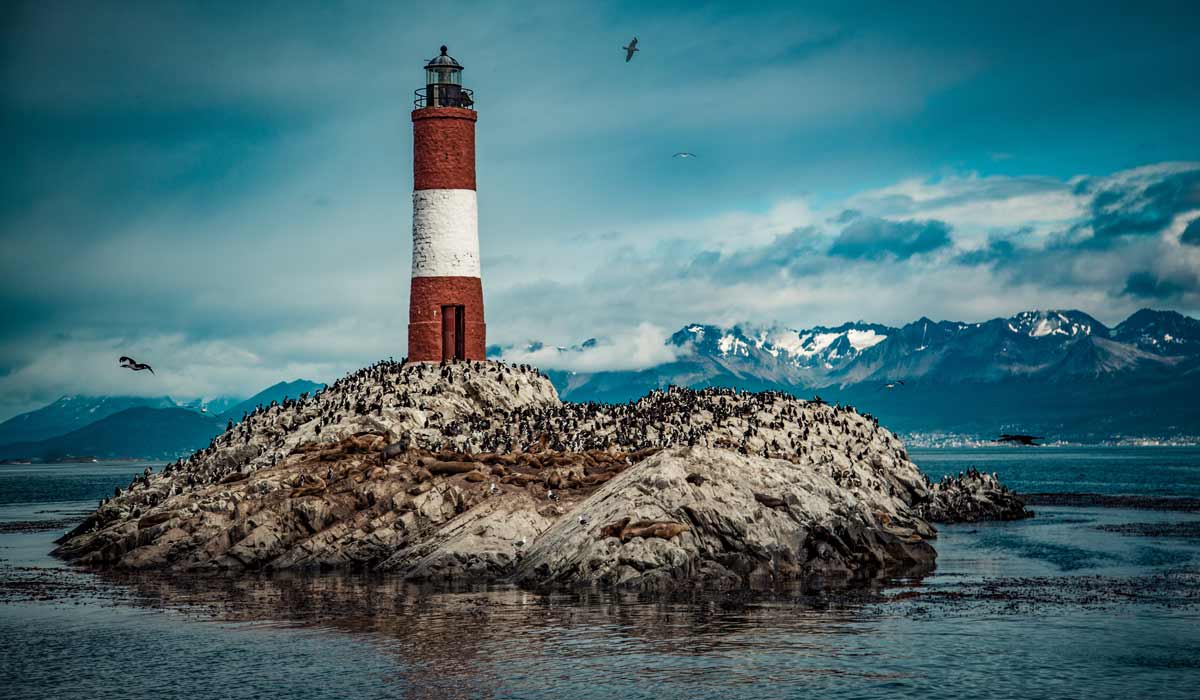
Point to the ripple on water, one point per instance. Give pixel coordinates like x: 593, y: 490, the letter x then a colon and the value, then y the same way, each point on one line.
x: 1051, y: 607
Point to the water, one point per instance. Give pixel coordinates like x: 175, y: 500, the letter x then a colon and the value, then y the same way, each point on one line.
x: 1155, y: 471
x: 1050, y: 607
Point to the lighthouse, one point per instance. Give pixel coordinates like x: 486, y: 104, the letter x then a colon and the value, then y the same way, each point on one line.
x: 445, y: 309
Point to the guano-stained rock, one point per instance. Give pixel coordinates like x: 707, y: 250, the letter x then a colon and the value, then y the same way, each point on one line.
x: 476, y: 472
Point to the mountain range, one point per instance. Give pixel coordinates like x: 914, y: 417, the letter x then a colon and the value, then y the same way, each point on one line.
x: 1058, y: 372
x: 1062, y: 374
x: 127, y: 426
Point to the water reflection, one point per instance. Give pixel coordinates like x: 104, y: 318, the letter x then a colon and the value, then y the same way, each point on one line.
x: 1058, y: 606
x: 472, y: 643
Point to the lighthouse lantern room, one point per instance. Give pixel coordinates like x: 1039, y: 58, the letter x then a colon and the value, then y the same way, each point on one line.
x: 445, y: 313
x: 443, y: 84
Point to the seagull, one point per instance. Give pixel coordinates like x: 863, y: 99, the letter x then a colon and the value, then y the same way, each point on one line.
x: 493, y: 489
x: 684, y: 154
x: 552, y: 496
x: 630, y: 49
x: 891, y: 385
x: 130, y: 363
x: 583, y: 520
x: 1027, y: 440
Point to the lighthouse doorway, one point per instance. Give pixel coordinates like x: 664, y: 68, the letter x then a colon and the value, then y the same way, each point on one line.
x: 454, y: 332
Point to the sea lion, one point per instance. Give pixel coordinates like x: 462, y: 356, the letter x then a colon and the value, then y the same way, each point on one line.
x: 450, y: 467
x: 154, y: 519
x: 394, y: 450
x: 316, y: 487
x: 625, y: 530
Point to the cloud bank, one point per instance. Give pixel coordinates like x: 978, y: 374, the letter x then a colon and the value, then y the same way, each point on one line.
x: 226, y: 195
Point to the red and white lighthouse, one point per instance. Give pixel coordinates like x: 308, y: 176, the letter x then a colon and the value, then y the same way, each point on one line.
x: 445, y: 311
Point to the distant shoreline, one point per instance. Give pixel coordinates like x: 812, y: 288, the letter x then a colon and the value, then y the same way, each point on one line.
x: 1165, y: 503
x: 78, y: 460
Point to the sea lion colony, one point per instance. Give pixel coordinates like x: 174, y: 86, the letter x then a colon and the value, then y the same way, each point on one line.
x: 386, y: 465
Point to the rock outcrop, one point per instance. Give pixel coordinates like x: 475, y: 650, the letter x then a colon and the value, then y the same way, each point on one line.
x: 749, y: 519
x: 476, y: 472
x: 970, y: 497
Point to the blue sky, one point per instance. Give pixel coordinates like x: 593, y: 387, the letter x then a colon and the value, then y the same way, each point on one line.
x: 224, y: 190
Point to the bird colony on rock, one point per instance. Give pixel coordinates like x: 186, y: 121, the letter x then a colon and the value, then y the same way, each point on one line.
x: 475, y: 471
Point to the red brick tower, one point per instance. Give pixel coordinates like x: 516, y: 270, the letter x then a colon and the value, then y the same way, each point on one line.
x: 445, y: 311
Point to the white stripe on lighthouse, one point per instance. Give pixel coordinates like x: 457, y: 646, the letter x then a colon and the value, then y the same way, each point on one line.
x: 445, y: 233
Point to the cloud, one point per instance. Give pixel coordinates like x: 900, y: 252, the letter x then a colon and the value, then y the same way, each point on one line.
x: 638, y: 348
x: 1146, y: 285
x: 226, y: 193
x: 1139, y: 202
x: 875, y: 238
x: 787, y: 255
x: 977, y: 207
x: 1191, y: 234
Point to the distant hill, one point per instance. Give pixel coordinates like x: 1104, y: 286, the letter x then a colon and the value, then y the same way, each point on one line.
x: 1061, y: 373
x: 214, y: 406
x: 126, y: 426
x: 153, y: 433
x: 68, y: 413
x: 276, y: 392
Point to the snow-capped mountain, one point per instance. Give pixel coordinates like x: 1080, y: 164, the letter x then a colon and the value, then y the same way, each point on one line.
x: 68, y: 413
x: 1160, y: 332
x: 1058, y: 364
x: 815, y: 348
x: 213, y: 406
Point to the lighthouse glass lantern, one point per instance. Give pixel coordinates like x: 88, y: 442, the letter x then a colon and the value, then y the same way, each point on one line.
x: 443, y: 84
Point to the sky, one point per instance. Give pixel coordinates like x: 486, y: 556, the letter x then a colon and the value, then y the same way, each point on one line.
x: 223, y: 190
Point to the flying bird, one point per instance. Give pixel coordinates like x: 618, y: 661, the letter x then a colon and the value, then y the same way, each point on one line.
x: 130, y: 363
x: 630, y: 49
x: 684, y: 154
x: 1027, y: 440
x: 890, y: 385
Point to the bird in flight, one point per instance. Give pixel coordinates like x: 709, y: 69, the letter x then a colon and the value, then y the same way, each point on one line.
x: 684, y: 154
x: 1027, y: 440
x: 890, y: 385
x: 130, y: 363
x: 630, y: 49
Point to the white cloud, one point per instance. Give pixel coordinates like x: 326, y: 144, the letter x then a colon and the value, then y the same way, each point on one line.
x: 635, y: 348
x: 975, y: 205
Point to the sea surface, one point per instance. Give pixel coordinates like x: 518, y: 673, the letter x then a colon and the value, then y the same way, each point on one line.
x: 1078, y: 602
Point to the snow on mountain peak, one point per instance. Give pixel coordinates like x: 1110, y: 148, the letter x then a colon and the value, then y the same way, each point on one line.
x: 861, y: 340
x: 730, y: 344
x: 1040, y: 324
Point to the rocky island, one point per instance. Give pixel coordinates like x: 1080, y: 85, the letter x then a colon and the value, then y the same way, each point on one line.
x: 476, y: 472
